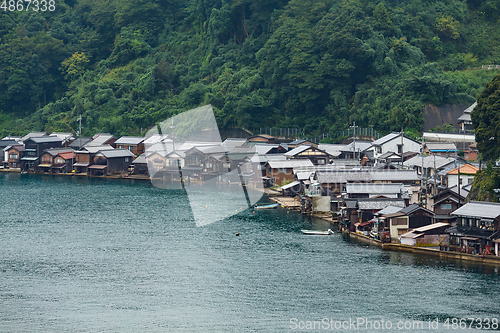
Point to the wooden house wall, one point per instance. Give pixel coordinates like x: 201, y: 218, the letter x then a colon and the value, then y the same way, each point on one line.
x: 280, y: 177
x: 40, y: 147
x: 99, y: 160
x: 136, y: 149
x: 314, y: 156
x: 118, y: 164
x: 83, y: 158
x: 46, y: 158
x: 420, y: 219
x: 14, y: 162
x: 156, y: 162
x: 194, y: 158
x: 439, y: 211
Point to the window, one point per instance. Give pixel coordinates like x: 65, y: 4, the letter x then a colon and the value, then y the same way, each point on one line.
x: 400, y: 149
x: 399, y: 221
x: 226, y: 165
x: 13, y: 156
x: 120, y: 146
x: 379, y: 150
x: 321, y: 161
x: 131, y: 148
x: 446, y: 206
x: 282, y: 170
x: 470, y: 180
x: 126, y: 159
x: 59, y: 160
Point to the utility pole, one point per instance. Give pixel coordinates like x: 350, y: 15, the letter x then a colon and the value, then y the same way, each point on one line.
x: 402, y: 150
x: 434, y: 192
x: 354, y: 139
x: 80, y: 126
x: 422, y: 188
x: 458, y: 185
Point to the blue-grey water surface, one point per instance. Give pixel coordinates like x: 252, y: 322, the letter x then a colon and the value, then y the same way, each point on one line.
x: 102, y: 255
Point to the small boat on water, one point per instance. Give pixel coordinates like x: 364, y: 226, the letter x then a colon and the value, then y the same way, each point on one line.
x: 271, y: 206
x: 317, y: 232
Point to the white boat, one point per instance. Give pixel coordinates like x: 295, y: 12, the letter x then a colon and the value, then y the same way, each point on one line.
x: 317, y: 232
x: 271, y: 206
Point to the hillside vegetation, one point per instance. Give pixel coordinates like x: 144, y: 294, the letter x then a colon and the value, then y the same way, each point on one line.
x: 316, y: 65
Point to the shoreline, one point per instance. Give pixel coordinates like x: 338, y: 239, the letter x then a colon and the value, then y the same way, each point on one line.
x: 293, y: 204
x: 117, y: 176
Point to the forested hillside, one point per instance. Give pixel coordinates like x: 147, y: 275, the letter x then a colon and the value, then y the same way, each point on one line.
x: 313, y: 64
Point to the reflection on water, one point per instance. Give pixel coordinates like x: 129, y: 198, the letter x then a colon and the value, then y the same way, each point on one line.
x: 115, y: 256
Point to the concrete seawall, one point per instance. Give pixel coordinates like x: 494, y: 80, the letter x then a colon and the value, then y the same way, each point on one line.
x: 489, y: 259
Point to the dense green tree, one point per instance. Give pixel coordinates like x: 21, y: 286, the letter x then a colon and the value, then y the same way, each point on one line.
x: 486, y: 120
x: 316, y: 65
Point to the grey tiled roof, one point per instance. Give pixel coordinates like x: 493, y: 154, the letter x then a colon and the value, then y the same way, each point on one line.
x: 116, y: 153
x: 367, y: 204
x: 45, y: 139
x: 378, y: 188
x: 344, y: 176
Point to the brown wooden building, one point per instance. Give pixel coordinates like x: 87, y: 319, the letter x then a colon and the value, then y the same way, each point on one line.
x: 315, y: 155
x: 281, y: 172
x: 108, y: 162
x: 14, y: 155
x: 132, y: 143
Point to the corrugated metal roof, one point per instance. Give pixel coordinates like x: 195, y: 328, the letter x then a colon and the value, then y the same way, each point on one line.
x: 411, y: 235
x: 297, y: 150
x: 292, y: 184
x: 290, y: 163
x: 114, y: 153
x: 443, y: 146
x: 385, y: 139
x: 481, y: 209
x: 129, y: 140
x: 79, y: 142
x: 450, y: 137
x: 141, y: 159
x: 100, y: 139
x: 431, y: 226
x: 95, y: 149
x: 388, y: 210
x: 304, y: 175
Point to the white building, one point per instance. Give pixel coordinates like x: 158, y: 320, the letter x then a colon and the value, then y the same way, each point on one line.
x: 394, y: 142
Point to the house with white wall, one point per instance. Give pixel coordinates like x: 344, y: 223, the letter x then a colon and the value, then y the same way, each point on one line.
x: 394, y: 142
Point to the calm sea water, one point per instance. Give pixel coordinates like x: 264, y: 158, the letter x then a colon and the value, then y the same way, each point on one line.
x: 79, y: 255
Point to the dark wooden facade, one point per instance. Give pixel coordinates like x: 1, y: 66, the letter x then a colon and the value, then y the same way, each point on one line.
x: 14, y: 155
x: 111, y: 162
